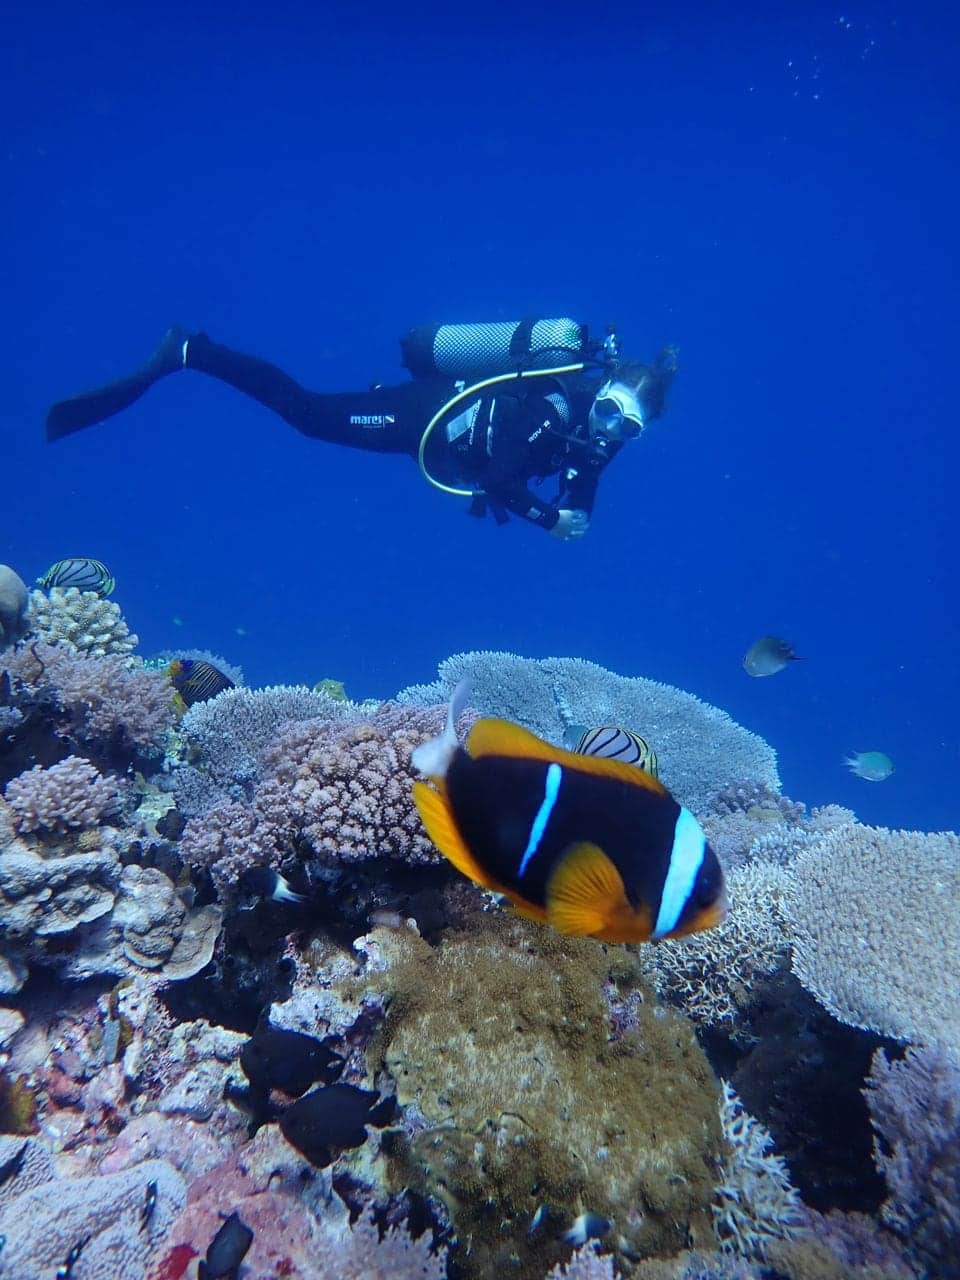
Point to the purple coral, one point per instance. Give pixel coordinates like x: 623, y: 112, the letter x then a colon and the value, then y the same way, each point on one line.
x: 108, y: 698
x: 69, y: 796
x: 915, y: 1108
x: 351, y: 784
x: 342, y: 788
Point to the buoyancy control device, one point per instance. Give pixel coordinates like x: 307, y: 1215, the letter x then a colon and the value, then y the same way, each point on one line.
x: 497, y: 353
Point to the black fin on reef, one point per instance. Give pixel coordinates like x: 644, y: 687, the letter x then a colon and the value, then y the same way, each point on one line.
x: 68, y: 416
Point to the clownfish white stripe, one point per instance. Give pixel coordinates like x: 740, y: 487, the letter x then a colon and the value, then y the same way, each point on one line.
x: 686, y: 859
x: 554, y: 774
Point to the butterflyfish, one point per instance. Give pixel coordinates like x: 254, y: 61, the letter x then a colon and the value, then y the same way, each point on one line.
x: 81, y: 572
x: 617, y: 743
x: 591, y: 846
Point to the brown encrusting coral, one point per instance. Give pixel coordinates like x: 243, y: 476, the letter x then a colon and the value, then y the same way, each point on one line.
x: 521, y: 1107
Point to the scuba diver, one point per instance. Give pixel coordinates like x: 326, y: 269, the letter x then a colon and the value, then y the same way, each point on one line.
x: 490, y: 409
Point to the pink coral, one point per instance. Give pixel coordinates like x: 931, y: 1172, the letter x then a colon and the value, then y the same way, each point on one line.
x: 71, y: 795
x: 111, y: 697
x: 351, y: 784
x: 343, y: 788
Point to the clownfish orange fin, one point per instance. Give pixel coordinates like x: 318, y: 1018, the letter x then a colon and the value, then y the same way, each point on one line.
x: 491, y: 737
x: 586, y: 897
x: 435, y: 811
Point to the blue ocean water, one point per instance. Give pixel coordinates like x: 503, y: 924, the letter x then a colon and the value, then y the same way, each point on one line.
x: 773, y: 190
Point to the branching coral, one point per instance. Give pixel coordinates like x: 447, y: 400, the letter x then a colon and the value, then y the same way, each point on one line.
x: 81, y: 621
x: 350, y: 785
x: 226, y: 737
x: 69, y: 796
x: 866, y: 910
x: 756, y: 1202
x: 106, y: 700
x: 700, y: 749
x: 341, y: 788
x: 710, y: 975
x: 915, y: 1108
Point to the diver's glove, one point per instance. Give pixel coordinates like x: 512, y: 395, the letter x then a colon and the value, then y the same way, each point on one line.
x: 571, y: 525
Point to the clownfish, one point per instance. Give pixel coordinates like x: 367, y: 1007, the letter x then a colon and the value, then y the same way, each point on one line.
x: 592, y: 846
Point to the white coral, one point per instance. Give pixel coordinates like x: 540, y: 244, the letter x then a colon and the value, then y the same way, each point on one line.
x: 81, y: 621
x: 756, y: 1203
x: 710, y: 975
x: 870, y: 913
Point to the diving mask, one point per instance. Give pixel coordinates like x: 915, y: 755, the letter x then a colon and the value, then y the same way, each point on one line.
x: 617, y: 413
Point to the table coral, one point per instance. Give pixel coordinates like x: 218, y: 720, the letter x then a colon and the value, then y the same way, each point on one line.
x: 701, y: 750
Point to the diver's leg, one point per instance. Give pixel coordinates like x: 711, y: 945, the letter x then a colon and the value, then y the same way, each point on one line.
x: 94, y: 406
x: 383, y: 420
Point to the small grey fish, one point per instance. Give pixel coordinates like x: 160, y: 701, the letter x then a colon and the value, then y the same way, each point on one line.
x: 80, y: 572
x: 65, y: 1270
x: 616, y: 743
x: 768, y: 655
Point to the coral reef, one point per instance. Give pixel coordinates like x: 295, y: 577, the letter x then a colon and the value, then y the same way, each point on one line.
x: 71, y: 795
x: 866, y: 937
x: 700, y: 749
x: 915, y: 1108
x: 755, y: 1200
x: 518, y: 1083
x: 81, y: 621
x: 712, y: 975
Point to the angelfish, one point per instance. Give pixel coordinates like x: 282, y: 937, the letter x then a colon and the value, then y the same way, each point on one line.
x: 592, y: 846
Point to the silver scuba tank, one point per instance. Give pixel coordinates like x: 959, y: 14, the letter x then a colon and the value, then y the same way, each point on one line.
x: 480, y: 350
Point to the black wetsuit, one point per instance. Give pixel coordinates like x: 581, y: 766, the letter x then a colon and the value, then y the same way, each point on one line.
x: 497, y: 443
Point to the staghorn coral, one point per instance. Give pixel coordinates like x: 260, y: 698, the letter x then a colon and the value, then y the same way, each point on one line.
x: 711, y: 975
x: 82, y: 621
x: 700, y: 749
x: 755, y: 1201
x: 865, y: 908
x: 69, y: 796
x: 915, y: 1109
x: 44, y: 1223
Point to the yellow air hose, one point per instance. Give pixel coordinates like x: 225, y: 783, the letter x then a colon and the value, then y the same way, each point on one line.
x: 463, y: 395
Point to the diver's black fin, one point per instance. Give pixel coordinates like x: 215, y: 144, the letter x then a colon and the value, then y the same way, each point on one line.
x: 68, y: 416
